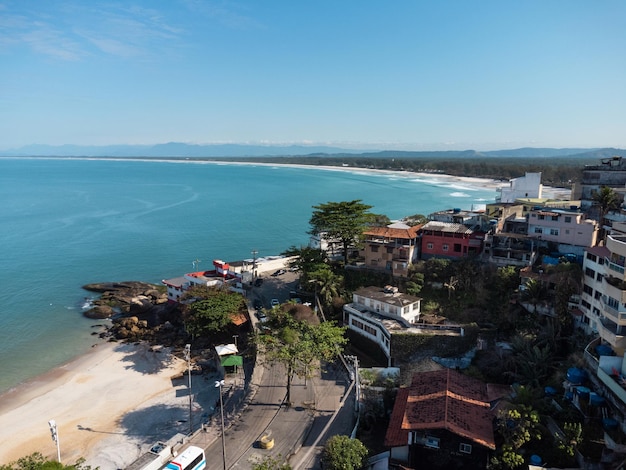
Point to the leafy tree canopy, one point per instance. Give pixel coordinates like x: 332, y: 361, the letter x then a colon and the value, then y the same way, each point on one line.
x: 299, y: 345
x: 343, y: 453
x: 212, y: 310
x: 344, y: 221
x: 36, y: 461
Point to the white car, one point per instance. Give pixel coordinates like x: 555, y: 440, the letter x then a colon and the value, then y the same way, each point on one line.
x: 274, y: 303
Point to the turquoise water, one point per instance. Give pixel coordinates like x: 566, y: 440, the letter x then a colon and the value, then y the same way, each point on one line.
x: 67, y: 222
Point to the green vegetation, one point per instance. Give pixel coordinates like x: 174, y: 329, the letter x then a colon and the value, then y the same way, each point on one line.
x: 299, y: 345
x: 211, y: 311
x: 36, y: 461
x: 270, y: 463
x: 344, y: 221
x: 343, y: 453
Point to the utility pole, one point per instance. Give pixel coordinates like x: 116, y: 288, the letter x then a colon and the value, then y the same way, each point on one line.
x: 254, y: 253
x: 188, y: 359
x: 219, y: 384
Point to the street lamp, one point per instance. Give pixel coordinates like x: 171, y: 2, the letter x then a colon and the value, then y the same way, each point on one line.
x: 219, y: 384
x: 55, y: 437
x: 188, y: 359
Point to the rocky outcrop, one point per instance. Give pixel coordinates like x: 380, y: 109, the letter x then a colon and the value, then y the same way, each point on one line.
x: 139, y: 312
x: 123, y: 298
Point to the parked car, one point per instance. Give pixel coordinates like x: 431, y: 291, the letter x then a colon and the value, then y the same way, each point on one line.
x: 280, y: 272
x: 274, y: 303
x: 258, y: 305
x: 258, y: 281
x: 261, y: 316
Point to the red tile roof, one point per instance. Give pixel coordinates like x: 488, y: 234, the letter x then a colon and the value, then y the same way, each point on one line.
x: 392, y: 232
x: 443, y: 399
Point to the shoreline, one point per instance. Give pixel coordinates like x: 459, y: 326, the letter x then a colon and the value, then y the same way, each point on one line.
x: 95, y: 394
x: 96, y: 398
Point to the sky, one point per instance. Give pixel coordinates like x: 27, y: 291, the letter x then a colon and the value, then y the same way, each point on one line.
x: 405, y: 74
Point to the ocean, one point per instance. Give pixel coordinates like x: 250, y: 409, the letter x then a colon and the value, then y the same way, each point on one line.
x: 69, y: 222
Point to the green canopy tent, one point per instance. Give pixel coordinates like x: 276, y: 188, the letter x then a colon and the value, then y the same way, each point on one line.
x: 232, y: 360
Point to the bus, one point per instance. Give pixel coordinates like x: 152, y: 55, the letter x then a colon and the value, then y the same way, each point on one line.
x: 191, y: 459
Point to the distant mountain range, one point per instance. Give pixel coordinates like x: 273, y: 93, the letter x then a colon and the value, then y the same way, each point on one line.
x: 182, y: 150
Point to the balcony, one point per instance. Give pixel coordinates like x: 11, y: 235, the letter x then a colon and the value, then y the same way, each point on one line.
x: 615, y: 288
x: 608, y: 331
x: 617, y: 246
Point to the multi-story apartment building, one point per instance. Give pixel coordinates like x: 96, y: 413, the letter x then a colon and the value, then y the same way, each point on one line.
x: 610, y: 172
x: 393, y: 248
x: 569, y: 230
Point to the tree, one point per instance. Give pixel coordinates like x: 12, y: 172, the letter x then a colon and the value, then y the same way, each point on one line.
x: 307, y: 259
x: 212, y: 310
x: 534, y: 292
x: 516, y: 426
x: 270, y: 463
x: 344, y: 221
x: 572, y: 437
x: 299, y: 345
x: 36, y: 461
x: 343, y: 453
x: 606, y: 200
x: 325, y: 283
x: 416, y: 219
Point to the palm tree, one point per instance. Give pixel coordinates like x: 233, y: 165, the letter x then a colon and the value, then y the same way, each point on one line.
x: 327, y: 284
x: 605, y: 200
x: 534, y: 292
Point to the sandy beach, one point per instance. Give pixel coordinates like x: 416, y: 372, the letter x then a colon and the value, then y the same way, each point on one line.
x: 442, y: 178
x: 110, y: 405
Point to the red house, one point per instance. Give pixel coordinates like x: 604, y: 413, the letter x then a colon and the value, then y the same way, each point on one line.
x: 448, y: 240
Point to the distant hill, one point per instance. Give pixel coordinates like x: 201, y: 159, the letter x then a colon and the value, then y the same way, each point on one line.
x: 219, y: 151
x: 171, y: 149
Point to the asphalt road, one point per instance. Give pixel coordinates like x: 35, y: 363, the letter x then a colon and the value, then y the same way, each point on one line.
x: 295, y: 429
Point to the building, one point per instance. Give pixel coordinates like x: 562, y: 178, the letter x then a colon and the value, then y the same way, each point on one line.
x: 443, y: 415
x: 569, y: 231
x: 525, y: 186
x: 393, y: 248
x: 610, y: 172
x: 376, y: 312
x: 509, y: 249
x: 459, y: 216
x: 447, y: 240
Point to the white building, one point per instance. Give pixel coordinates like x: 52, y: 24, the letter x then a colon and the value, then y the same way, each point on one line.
x: 528, y: 186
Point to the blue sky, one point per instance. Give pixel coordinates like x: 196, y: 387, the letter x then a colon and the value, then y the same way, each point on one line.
x: 403, y: 74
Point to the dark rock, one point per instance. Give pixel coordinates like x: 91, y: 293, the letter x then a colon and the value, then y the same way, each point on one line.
x: 99, y: 312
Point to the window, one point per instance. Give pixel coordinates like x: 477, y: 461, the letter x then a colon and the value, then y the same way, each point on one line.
x: 592, y: 257
x: 599, y: 277
x: 444, y: 247
x: 429, y: 246
x: 542, y: 217
x: 554, y: 231
x: 590, y: 272
x: 374, y: 249
x: 555, y: 218
x: 432, y: 442
x: 538, y: 230
x: 568, y: 219
x: 465, y: 448
x: 613, y: 303
x: 587, y: 289
x: 457, y: 247
x: 389, y: 250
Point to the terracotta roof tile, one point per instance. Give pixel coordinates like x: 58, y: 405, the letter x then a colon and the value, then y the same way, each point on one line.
x: 391, y: 232
x: 443, y: 399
